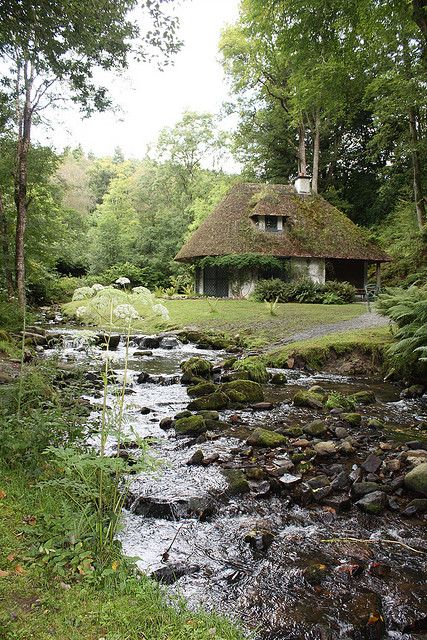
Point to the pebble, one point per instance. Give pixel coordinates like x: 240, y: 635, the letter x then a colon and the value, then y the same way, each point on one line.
x: 372, y: 463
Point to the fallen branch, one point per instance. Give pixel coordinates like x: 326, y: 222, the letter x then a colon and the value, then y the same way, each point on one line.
x: 379, y: 541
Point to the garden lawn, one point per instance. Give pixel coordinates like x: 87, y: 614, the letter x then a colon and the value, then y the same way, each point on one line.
x: 252, y: 320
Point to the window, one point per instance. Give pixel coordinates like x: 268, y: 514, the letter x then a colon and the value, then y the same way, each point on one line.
x: 271, y: 224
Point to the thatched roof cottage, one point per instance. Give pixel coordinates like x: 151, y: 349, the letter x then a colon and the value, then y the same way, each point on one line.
x: 284, y: 223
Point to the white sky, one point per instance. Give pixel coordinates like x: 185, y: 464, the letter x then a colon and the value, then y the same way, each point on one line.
x: 151, y: 99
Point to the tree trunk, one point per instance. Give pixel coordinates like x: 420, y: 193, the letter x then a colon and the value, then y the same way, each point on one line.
x: 419, y: 15
x: 21, y: 178
x: 316, y: 153
x: 302, y: 162
x: 420, y: 204
x: 5, y: 250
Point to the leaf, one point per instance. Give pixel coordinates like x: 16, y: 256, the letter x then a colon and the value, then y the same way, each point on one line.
x: 114, y: 565
x: 11, y: 557
x: 20, y: 570
x: 31, y: 520
x: 3, y: 494
x: 4, y: 574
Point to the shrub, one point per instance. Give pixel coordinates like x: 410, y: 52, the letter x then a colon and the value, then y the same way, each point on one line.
x: 305, y: 291
x: 135, y: 274
x: 343, y: 290
x: 11, y: 316
x: 271, y: 290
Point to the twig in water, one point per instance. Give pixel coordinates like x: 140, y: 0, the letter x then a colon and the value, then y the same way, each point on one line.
x: 379, y: 541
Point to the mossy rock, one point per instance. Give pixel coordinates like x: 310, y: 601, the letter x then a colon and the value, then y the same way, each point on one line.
x: 209, y: 415
x: 278, y: 378
x: 237, y: 483
x: 416, y: 480
x: 316, y: 428
x: 202, y: 389
x: 215, y: 425
x: 302, y: 456
x: 212, y: 402
x: 190, y: 426
x: 254, y: 368
x: 375, y: 423
x: 353, y: 419
x: 252, y: 391
x: 236, y: 397
x: 338, y: 401
x: 229, y: 362
x: 294, y: 431
x: 316, y: 388
x: 254, y: 473
x: 308, y: 399
x: 265, y: 438
x: 196, y: 367
x: 364, y: 397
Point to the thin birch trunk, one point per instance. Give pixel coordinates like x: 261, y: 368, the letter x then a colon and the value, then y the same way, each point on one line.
x: 302, y: 161
x: 420, y: 204
x: 316, y: 153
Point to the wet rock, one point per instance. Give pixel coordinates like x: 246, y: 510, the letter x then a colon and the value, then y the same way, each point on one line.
x: 191, y: 426
x: 341, y: 481
x: 214, y: 401
x: 379, y: 570
x: 353, y: 419
x: 339, y: 502
x: 286, y: 466
x: 149, y: 342
x: 414, y: 391
x: 210, y: 459
x: 209, y: 415
x: 259, y: 539
x: 173, y: 572
x: 265, y: 438
x: 254, y: 473
x: 170, y: 342
x: 341, y: 433
x: 145, y: 410
x: 143, y: 377
x: 166, y: 423
x: 364, y: 397
x: 140, y: 354
x: 196, y: 367
x: 419, y: 505
x: 202, y: 389
x: 260, y: 489
x: 107, y: 342
x: 182, y: 414
x: 338, y: 401
x: 262, y: 406
x: 289, y: 480
x: 278, y: 378
x: 197, y: 459
x: 374, y: 423
x: 294, y: 431
x: 417, y: 445
x: 368, y: 619
x: 372, y: 463
x: 321, y: 493
x: 325, y: 449
x: 237, y: 483
x: 230, y: 376
x: 373, y: 503
x: 318, y: 482
x: 416, y: 480
x: 363, y: 488
x: 315, y: 573
x: 251, y: 391
x: 316, y: 428
x: 308, y: 399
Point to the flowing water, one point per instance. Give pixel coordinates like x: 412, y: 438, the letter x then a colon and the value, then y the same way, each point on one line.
x: 286, y: 581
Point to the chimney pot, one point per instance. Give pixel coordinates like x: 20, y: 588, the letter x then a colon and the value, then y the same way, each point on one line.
x: 303, y: 185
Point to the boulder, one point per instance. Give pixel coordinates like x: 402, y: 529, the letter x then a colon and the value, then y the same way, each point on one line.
x: 373, y: 503
x: 316, y: 428
x: 352, y: 419
x: 169, y: 342
x: 209, y: 415
x: 364, y: 397
x: 338, y: 401
x: 251, y: 391
x: 214, y: 401
x: 201, y: 389
x: 166, y: 423
x: 237, y: 483
x: 192, y: 426
x: 150, y: 342
x: 265, y: 438
x: 254, y: 367
x: 196, y: 459
x: 308, y: 399
x: 416, y: 480
x: 196, y: 367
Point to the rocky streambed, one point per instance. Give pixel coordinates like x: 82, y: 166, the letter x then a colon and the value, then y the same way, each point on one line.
x: 297, y: 505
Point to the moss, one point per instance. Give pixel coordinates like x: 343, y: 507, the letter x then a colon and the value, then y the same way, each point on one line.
x: 364, y: 397
x: 215, y: 401
x: 308, y: 399
x: 236, y: 397
x: 338, y: 401
x: 209, y: 415
x: 237, y: 483
x: 316, y: 428
x: 192, y: 426
x: 202, y: 389
x: 265, y: 438
x: 295, y: 431
x: 302, y: 456
x: 353, y: 419
x: 254, y: 367
x: 252, y: 391
x: 278, y: 378
x: 196, y: 367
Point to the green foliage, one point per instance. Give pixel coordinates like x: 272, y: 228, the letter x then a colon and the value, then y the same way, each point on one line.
x: 304, y: 291
x: 408, y: 309
x: 246, y: 261
x: 11, y: 316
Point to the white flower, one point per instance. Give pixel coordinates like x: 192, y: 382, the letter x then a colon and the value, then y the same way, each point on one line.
x: 160, y: 310
x: 126, y: 312
x: 144, y: 295
x: 123, y: 281
x: 83, y: 293
x: 81, y: 311
x: 97, y: 287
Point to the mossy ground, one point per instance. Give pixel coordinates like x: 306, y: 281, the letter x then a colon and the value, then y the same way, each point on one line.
x: 251, y: 320
x: 35, y: 606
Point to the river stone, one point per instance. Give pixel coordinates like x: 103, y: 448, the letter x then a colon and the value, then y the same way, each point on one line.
x: 104, y: 341
x: 338, y: 401
x: 416, y: 480
x: 259, y: 539
x: 173, y: 572
x: 278, y: 378
x: 415, y: 391
x: 166, y: 423
x: 251, y: 391
x: 262, y: 406
x: 308, y: 399
x: 419, y: 504
x: 289, y: 480
x: 375, y: 423
x: 196, y: 459
x: 372, y: 463
x: 140, y: 354
x: 316, y: 428
x: 341, y: 433
x: 191, y: 426
x: 208, y: 415
x: 265, y: 438
x: 363, y: 488
x: 214, y: 401
x: 237, y: 483
x: 150, y: 342
x: 416, y: 457
x: 346, y: 447
x: 202, y: 389
x: 294, y: 432
x: 416, y: 444
x: 364, y: 397
x: 182, y: 414
x: 373, y: 503
x: 169, y: 342
x: 324, y: 449
x: 196, y: 367
x: 353, y: 419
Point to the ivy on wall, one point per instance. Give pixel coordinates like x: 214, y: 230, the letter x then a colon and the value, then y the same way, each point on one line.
x: 246, y: 261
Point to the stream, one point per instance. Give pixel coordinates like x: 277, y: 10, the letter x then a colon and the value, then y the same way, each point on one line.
x: 262, y: 557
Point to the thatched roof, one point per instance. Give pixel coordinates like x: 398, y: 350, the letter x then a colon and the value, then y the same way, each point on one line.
x: 314, y: 228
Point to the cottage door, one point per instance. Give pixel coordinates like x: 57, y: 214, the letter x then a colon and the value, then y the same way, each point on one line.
x: 215, y: 282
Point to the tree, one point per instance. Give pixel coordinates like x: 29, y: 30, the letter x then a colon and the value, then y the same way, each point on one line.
x: 55, y: 49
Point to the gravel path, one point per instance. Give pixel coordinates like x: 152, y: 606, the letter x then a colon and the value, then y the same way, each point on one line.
x: 364, y: 321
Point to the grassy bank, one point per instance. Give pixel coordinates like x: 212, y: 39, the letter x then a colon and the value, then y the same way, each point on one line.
x: 316, y: 353
x: 250, y: 319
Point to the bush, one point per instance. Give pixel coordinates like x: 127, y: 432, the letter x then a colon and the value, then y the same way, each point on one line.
x: 136, y: 275
x: 11, y: 316
x: 305, y: 291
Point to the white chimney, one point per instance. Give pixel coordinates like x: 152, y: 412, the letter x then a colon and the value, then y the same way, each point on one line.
x: 302, y: 185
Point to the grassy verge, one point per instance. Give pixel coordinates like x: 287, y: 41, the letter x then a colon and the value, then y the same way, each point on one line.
x: 316, y: 352
x: 35, y: 604
x: 251, y: 319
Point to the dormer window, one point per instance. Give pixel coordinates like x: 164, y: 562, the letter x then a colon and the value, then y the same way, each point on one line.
x: 271, y: 224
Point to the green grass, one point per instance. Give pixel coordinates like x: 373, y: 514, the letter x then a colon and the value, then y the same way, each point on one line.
x: 251, y: 319
x: 33, y: 605
x: 316, y: 351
